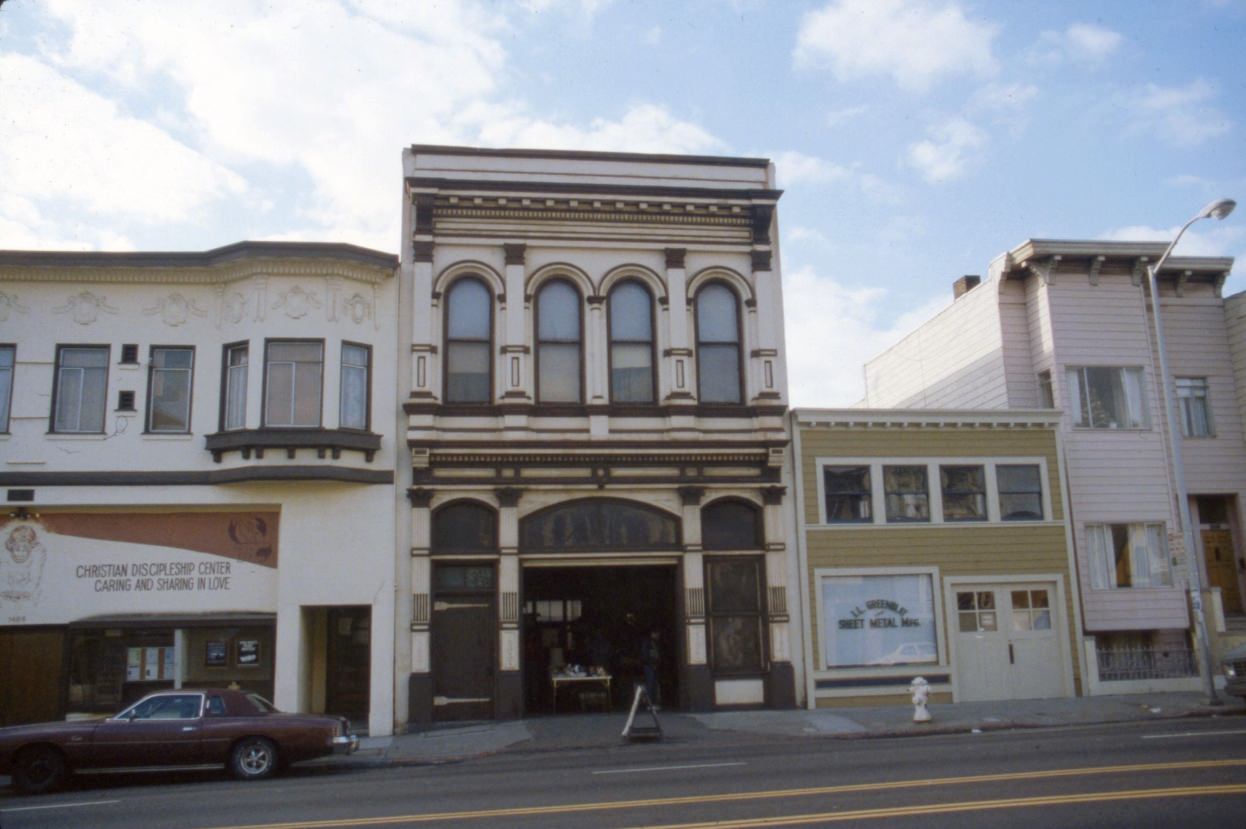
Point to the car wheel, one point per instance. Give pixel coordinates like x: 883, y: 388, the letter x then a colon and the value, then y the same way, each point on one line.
x: 39, y: 769
x: 253, y: 758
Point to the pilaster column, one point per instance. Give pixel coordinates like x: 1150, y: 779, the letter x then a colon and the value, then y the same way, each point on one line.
x: 781, y: 690
x: 516, y: 353
x: 420, y: 687
x: 510, y: 685
x: 423, y: 350
x: 596, y: 360
x: 678, y: 354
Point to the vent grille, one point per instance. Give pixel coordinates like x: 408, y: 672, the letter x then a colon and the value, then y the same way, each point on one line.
x: 696, y: 601
x: 419, y: 609
x: 125, y: 401
x: 129, y: 353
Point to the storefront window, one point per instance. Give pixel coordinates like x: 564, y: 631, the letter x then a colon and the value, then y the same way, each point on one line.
x: 878, y: 620
x: 599, y: 523
x: 734, y: 611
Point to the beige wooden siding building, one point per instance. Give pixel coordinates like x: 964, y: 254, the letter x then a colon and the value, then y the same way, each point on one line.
x: 934, y: 543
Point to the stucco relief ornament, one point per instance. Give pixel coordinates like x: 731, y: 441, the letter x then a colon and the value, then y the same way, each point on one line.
x: 9, y: 306
x: 235, y: 307
x: 357, y: 308
x: 297, y: 302
x: 21, y: 565
x: 85, y: 307
x: 175, y: 309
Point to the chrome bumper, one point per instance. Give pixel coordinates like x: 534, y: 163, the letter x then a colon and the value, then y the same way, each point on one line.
x: 346, y: 744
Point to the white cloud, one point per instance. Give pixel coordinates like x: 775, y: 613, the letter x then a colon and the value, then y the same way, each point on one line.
x: 944, y: 155
x: 842, y: 116
x: 72, y: 146
x: 796, y: 169
x: 915, y: 42
x: 645, y: 128
x: 1208, y: 238
x: 807, y: 235
x: 832, y: 329
x: 1082, y: 43
x: 1184, y: 116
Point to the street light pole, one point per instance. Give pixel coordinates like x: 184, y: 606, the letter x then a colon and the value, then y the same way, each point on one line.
x: 1194, y: 570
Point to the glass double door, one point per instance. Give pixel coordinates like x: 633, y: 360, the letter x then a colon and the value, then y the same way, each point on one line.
x: 1007, y: 642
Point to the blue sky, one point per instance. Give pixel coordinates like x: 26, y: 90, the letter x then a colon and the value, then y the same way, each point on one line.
x: 915, y: 139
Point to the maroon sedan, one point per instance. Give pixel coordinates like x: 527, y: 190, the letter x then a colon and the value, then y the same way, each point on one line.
x: 173, y: 728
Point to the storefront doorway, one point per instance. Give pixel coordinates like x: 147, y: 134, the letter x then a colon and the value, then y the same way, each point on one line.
x: 595, y: 618
x: 1224, y: 566
x: 464, y: 635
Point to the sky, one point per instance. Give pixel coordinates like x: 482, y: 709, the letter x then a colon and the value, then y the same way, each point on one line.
x: 915, y: 140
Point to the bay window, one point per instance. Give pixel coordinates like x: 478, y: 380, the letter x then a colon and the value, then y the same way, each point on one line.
x: 353, y: 408
x: 7, y: 358
x: 81, y: 388
x: 293, y: 382
x: 169, y: 383
x: 234, y: 405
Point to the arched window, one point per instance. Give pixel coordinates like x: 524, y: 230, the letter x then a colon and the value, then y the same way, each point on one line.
x: 631, y: 344
x: 718, y: 345
x: 464, y: 527
x: 730, y: 524
x: 599, y: 524
x: 558, y: 373
x: 469, y: 342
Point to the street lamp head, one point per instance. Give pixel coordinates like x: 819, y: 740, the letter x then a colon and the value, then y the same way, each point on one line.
x: 1218, y: 209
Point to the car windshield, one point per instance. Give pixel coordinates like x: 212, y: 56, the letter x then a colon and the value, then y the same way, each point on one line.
x: 262, y: 705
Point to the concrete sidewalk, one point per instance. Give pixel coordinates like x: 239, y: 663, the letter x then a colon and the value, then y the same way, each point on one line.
x: 451, y: 743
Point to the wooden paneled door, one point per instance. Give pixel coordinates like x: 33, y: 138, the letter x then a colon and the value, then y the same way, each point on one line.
x: 1222, y: 570
x: 349, y: 668
x: 464, y: 636
x: 31, y: 664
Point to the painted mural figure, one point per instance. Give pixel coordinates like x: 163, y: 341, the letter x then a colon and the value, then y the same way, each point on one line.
x: 21, y: 566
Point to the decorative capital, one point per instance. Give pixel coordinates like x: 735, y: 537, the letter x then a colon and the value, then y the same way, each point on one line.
x: 675, y: 257
x: 420, y: 497
x: 422, y: 251
x: 508, y: 496
x: 761, y: 260
x: 691, y: 496
x: 773, y: 495
x: 763, y: 214
x: 515, y: 253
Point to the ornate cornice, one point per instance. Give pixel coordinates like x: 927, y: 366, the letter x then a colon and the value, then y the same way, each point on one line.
x: 172, y: 274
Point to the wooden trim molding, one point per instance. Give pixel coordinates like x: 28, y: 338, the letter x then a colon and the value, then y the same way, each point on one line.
x: 324, y: 441
x: 199, y: 478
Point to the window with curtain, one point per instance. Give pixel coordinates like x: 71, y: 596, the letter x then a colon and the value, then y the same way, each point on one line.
x: 631, y: 344
x: 1195, y: 411
x: 234, y: 410
x: 558, y: 352
x: 1107, y: 397
x: 356, y: 383
x: 81, y: 389
x: 718, y: 345
x: 168, y: 389
x: 293, y: 383
x: 469, y: 342
x: 1128, y: 555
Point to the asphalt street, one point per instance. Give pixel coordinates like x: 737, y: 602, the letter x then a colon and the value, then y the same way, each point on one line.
x: 1170, y: 773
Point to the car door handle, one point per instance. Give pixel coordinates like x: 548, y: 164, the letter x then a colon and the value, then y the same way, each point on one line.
x: 188, y: 728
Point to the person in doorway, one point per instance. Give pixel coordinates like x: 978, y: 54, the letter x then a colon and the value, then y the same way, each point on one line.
x: 650, y: 660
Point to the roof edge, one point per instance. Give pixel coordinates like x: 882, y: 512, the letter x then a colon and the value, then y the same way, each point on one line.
x: 215, y: 256
x: 592, y: 155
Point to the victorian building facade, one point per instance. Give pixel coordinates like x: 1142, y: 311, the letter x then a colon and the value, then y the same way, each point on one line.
x: 1068, y: 325
x: 595, y: 399
x: 197, y: 455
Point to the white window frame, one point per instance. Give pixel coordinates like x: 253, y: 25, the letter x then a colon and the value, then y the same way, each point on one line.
x: 1194, y: 388
x: 234, y: 387
x: 878, y: 502
x: 158, y: 375
x: 821, y: 669
x: 62, y: 378
x: 350, y: 369
x: 1075, y: 377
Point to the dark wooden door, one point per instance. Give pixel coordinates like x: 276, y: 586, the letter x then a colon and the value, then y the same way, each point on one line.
x: 464, y: 631
x: 30, y: 675
x: 348, y: 672
x: 1222, y: 568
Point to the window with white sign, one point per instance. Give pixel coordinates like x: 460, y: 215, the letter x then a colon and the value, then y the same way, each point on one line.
x: 878, y: 620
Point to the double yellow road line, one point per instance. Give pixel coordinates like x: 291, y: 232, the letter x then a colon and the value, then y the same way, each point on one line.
x: 826, y: 817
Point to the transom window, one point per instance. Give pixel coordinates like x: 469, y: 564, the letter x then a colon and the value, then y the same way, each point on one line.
x: 464, y: 527
x: 293, y: 383
x: 599, y: 524
x: 1106, y: 397
x: 631, y: 344
x: 169, y: 379
x: 718, y: 345
x: 559, y: 375
x: 730, y: 525
x: 469, y: 342
x: 81, y: 389
x: 1195, y: 411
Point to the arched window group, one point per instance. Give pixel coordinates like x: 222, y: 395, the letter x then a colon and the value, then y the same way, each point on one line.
x: 559, y: 357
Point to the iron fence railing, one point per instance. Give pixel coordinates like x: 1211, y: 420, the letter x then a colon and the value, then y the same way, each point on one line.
x: 1145, y: 663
